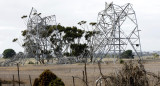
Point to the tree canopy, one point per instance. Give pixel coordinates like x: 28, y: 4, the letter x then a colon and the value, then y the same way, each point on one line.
x: 78, y: 49
x: 8, y: 53
x: 57, y: 41
x: 127, y: 54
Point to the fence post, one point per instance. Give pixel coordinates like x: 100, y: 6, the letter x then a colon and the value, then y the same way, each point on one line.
x: 85, y: 71
x: 83, y: 76
x: 13, y: 81
x: 73, y: 81
x: 18, y: 73
x: 30, y: 80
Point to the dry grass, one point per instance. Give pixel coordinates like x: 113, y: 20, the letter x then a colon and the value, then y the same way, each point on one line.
x: 65, y: 72
x: 132, y: 74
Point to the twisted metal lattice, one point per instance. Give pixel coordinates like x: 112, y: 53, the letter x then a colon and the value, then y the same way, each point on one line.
x: 39, y: 41
x: 117, y: 30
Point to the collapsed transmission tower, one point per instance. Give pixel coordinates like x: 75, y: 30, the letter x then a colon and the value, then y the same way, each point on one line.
x: 38, y: 42
x: 117, y: 31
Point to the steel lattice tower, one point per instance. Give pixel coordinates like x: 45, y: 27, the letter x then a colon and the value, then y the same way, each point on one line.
x: 36, y: 26
x: 117, y: 30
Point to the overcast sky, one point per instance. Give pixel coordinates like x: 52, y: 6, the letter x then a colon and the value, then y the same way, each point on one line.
x: 70, y: 12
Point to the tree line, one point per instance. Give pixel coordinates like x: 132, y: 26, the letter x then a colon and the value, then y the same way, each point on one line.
x: 57, y: 41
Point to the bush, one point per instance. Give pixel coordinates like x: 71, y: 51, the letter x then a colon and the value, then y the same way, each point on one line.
x: 127, y: 54
x: 56, y: 82
x: 30, y: 62
x: 7, y: 53
x: 47, y: 78
x: 121, y: 61
x: 0, y: 83
x: 132, y: 74
x: 36, y: 82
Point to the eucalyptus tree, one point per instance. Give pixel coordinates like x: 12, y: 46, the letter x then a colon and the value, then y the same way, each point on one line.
x: 44, y: 39
x: 8, y: 53
x: 70, y: 38
x: 89, y: 37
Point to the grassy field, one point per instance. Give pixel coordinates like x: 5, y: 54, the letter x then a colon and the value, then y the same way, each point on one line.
x: 66, y: 71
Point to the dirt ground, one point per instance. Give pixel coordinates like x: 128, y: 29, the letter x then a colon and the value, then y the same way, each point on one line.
x: 66, y: 71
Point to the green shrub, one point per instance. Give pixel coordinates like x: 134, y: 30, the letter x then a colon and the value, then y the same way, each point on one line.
x: 0, y: 83
x: 127, y: 54
x: 56, y: 82
x: 47, y: 78
x: 121, y: 61
x: 30, y: 62
x: 8, y: 53
x: 36, y: 82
